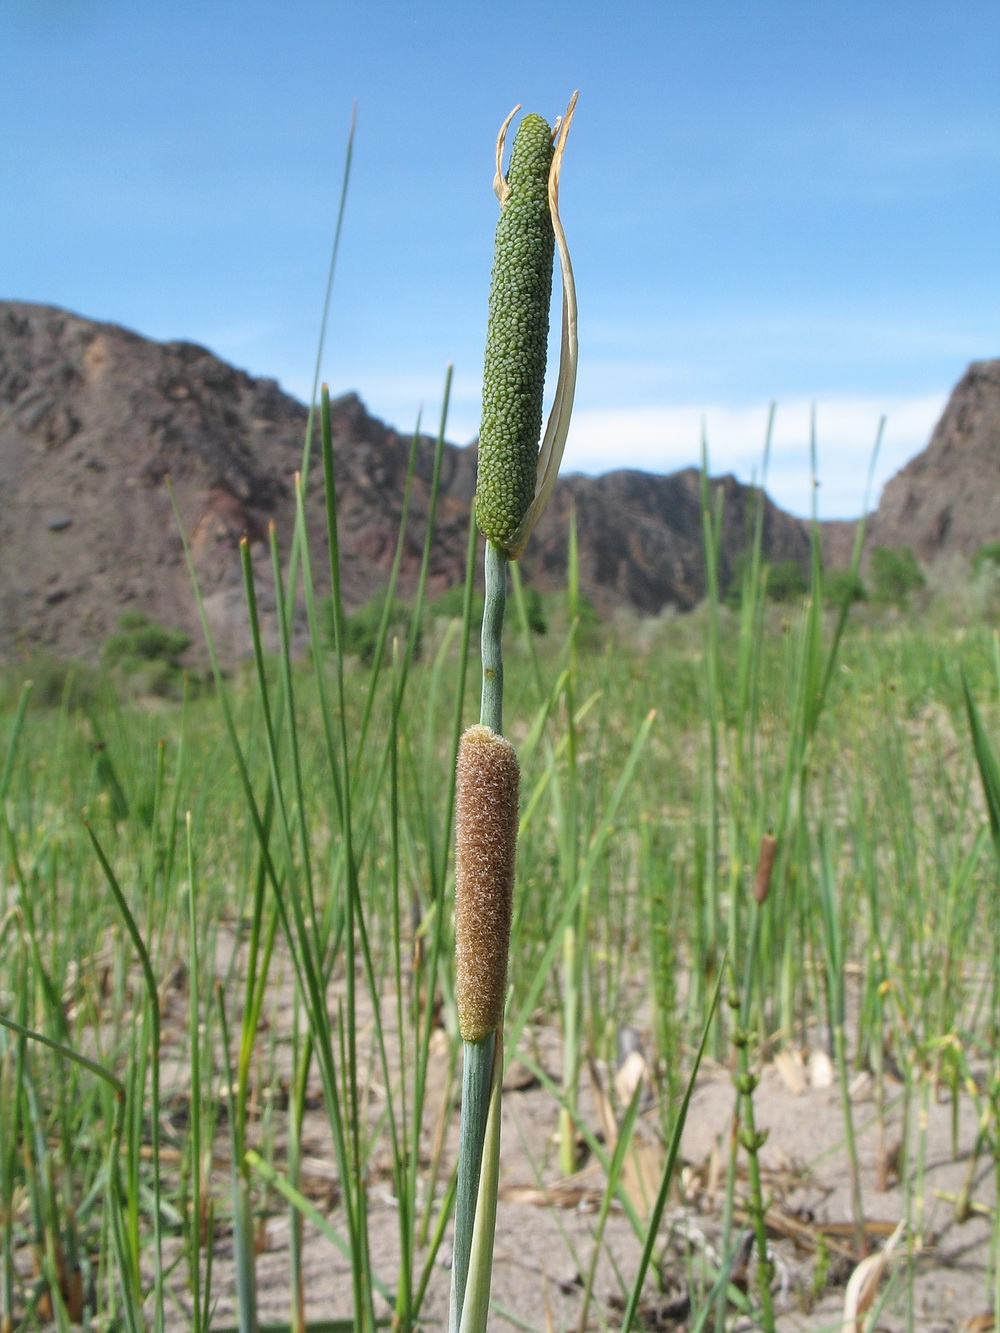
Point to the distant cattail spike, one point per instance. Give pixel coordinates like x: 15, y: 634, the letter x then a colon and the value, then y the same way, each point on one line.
x: 765, y: 867
x: 486, y: 846
x: 517, y: 336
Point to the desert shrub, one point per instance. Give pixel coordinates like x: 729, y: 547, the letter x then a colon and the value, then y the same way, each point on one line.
x: 361, y: 628
x: 785, y: 581
x: 591, y: 629
x: 55, y: 682
x: 147, y: 655
x: 449, y: 605
x: 535, y: 611
x: 733, y: 594
x: 140, y: 640
x: 894, y: 574
x: 984, y: 587
x: 986, y: 555
x: 843, y: 585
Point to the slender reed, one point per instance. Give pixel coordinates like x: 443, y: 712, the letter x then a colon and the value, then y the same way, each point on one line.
x: 989, y: 772
x: 515, y: 479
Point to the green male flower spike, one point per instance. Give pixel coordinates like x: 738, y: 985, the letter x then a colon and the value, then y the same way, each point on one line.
x: 515, y: 481
x: 516, y: 477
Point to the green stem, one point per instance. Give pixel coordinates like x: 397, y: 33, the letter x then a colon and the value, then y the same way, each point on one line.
x: 477, y: 1075
x: 753, y: 1140
x: 857, y: 1206
x: 491, y: 712
x: 727, y: 1218
x: 477, y: 1069
x: 748, y: 1134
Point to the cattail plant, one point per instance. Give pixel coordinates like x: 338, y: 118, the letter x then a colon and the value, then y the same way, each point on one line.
x: 515, y: 480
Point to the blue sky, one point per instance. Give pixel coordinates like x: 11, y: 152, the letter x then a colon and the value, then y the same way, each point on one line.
x: 794, y: 201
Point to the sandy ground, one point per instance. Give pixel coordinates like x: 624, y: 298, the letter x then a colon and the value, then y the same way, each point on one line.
x: 547, y: 1245
x: 546, y: 1225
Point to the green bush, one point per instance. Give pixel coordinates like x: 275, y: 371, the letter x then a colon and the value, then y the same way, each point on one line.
x: 534, y: 611
x: 894, y: 574
x: 984, y: 585
x: 140, y: 639
x: 54, y: 681
x: 148, y: 655
x: 843, y: 585
x: 361, y: 629
x: 590, y: 630
x: 783, y: 582
x: 450, y: 604
x: 986, y: 555
x: 786, y: 582
x: 733, y: 594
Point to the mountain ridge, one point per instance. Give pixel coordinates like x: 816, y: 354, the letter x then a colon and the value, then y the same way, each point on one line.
x: 94, y: 418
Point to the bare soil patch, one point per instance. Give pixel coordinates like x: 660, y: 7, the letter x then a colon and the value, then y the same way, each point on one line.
x: 546, y: 1223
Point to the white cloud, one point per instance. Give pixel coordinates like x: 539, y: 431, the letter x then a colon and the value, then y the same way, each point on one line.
x: 662, y: 439
x: 665, y: 438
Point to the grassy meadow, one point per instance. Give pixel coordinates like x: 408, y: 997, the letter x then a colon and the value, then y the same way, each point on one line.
x: 225, y: 915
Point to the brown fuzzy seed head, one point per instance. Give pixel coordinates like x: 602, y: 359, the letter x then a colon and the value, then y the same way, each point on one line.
x: 485, y: 849
x: 765, y: 867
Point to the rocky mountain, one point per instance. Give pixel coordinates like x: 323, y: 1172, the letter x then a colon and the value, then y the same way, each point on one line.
x: 945, y: 503
x: 94, y: 419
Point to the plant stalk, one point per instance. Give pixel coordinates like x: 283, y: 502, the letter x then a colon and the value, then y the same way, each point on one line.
x: 477, y: 1070
x: 491, y: 709
x: 477, y: 1078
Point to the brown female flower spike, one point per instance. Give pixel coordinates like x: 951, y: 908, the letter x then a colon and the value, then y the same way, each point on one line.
x: 765, y: 868
x: 485, y: 850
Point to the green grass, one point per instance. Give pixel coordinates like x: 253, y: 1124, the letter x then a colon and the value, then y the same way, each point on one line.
x: 254, y: 858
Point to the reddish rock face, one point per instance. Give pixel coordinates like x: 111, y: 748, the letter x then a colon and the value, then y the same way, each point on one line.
x: 641, y: 537
x: 99, y: 426
x: 946, y: 501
